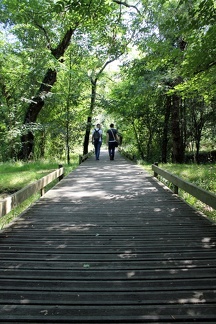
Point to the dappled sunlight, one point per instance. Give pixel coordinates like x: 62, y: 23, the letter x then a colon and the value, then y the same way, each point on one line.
x: 119, y: 197
x: 14, y: 267
x: 103, y: 182
x: 71, y: 227
x: 207, y: 244
x: 127, y: 255
x: 44, y: 312
x: 9, y: 308
x: 174, y: 271
x: 195, y: 299
x: 25, y: 301
x: 157, y: 210
x: 188, y: 297
x: 131, y: 274
x: 188, y: 264
x: 61, y: 246
x: 87, y: 193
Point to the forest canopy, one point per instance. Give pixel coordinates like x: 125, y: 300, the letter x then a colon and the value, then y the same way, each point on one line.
x: 147, y: 66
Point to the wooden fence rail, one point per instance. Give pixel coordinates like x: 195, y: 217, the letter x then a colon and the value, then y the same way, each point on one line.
x: 82, y: 158
x: 7, y: 204
x: 206, y: 197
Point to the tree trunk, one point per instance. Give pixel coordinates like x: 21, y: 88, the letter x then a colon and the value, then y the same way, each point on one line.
x: 37, y: 103
x: 149, y: 145
x: 178, y: 149
x: 35, y: 107
x: 177, y: 133
x: 42, y: 144
x: 89, y: 119
x: 139, y: 145
x: 68, y: 119
x: 87, y: 135
x: 166, y: 129
x: 198, y: 134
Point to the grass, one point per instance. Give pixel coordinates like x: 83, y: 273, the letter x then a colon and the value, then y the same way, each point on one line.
x: 203, y: 176
x: 17, y: 175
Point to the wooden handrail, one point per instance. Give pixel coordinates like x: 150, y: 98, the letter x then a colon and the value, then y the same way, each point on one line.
x: 7, y: 204
x: 82, y: 158
x: 206, y: 197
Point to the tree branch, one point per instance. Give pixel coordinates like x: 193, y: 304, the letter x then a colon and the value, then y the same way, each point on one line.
x: 112, y: 59
x: 45, y: 33
x: 61, y: 48
x: 124, y: 3
x: 206, y: 68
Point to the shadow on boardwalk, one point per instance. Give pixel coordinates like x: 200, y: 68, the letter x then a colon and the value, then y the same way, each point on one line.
x: 108, y: 244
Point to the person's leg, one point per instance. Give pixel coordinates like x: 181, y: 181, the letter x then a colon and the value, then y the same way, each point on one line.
x: 96, y: 149
x: 112, y: 151
x: 98, y: 152
x: 109, y: 150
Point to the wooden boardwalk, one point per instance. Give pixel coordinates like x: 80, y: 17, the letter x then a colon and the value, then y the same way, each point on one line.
x: 108, y: 244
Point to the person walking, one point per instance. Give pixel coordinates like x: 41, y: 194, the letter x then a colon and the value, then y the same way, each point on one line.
x: 112, y: 138
x: 97, y: 140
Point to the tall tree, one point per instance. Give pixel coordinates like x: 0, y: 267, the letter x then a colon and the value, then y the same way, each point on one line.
x: 107, y: 46
x: 56, y: 23
x: 38, y: 101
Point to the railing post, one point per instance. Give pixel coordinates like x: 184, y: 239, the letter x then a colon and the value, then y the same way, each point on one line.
x: 155, y: 173
x: 61, y: 176
x: 175, y: 189
x: 80, y: 159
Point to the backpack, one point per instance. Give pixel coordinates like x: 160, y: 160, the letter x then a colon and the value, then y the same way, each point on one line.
x: 96, y: 135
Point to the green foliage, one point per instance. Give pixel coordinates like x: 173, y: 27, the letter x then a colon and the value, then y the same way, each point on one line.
x: 174, y: 46
x: 38, y: 29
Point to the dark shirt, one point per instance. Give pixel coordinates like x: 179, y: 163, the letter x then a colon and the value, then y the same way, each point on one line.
x: 112, y: 132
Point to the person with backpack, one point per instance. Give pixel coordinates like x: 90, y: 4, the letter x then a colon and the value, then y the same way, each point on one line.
x: 97, y: 140
x: 112, y: 141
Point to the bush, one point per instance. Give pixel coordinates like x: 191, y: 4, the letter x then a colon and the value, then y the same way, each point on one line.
x: 203, y: 157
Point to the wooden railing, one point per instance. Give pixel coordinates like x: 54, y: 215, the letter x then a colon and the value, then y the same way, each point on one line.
x: 82, y: 158
x: 206, y: 197
x: 9, y: 203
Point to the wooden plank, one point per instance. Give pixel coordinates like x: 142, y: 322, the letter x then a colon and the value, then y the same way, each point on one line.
x: 134, y: 274
x: 110, y: 313
x: 61, y: 285
x: 126, y: 265
x: 105, y: 298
